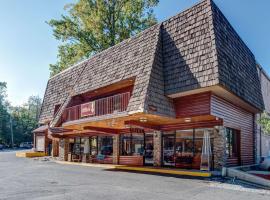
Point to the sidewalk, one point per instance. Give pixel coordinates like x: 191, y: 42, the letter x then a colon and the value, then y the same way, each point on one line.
x: 143, y: 169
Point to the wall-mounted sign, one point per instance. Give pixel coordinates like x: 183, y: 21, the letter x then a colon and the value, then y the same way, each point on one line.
x: 88, y: 109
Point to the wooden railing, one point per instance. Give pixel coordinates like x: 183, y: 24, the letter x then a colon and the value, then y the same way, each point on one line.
x: 108, y: 105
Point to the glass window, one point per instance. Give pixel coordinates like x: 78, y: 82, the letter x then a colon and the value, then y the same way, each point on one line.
x: 132, y: 144
x: 232, y: 142
x: 93, y: 146
x: 105, y: 145
x: 77, y: 146
x: 168, y: 150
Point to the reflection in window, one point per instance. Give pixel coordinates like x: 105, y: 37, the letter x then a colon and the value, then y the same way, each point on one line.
x: 232, y: 143
x: 105, y: 145
x: 132, y: 144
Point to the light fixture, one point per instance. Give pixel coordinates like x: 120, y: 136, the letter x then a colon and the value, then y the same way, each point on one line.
x: 143, y: 119
x: 187, y: 119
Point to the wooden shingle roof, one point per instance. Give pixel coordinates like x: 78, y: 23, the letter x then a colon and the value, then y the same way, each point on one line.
x: 194, y: 49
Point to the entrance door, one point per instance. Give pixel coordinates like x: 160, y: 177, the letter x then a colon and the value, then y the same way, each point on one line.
x: 168, y: 150
x: 149, y: 149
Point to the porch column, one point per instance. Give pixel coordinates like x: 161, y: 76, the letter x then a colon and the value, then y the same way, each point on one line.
x: 157, y: 148
x: 63, y: 149
x: 116, y: 149
x: 219, y: 149
x: 54, y: 152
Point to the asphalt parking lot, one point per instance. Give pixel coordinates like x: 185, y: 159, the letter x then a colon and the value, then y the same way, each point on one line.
x: 23, y: 178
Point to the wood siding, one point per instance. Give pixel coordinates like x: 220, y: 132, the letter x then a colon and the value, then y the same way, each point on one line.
x: 240, y: 119
x: 193, y: 105
x: 131, y: 160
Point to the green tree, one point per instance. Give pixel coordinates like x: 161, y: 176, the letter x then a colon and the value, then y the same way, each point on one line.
x: 25, y: 119
x: 4, y: 116
x: 264, y: 122
x: 94, y: 25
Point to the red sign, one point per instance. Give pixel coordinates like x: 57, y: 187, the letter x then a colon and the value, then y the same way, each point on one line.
x: 88, y: 109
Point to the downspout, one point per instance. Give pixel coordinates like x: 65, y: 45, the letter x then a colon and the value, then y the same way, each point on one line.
x: 260, y: 119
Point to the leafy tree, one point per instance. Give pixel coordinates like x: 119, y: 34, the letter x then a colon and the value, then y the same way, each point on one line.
x: 25, y: 119
x: 4, y: 115
x: 94, y: 25
x: 264, y: 122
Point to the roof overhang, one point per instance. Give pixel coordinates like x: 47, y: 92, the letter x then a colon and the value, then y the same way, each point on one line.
x: 223, y: 93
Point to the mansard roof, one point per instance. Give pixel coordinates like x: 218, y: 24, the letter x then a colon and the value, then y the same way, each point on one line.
x: 195, y: 49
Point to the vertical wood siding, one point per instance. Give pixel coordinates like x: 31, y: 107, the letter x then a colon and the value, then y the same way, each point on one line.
x: 237, y: 118
x: 193, y: 105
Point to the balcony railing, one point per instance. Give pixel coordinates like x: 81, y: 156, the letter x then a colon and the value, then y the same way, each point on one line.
x: 109, y: 105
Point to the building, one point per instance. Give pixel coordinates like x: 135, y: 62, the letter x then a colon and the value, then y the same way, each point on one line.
x: 183, y: 93
x: 263, y: 139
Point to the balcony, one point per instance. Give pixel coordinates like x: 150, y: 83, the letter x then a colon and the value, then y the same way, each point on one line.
x: 104, y: 106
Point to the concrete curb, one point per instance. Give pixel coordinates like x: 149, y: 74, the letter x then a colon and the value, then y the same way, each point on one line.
x: 234, y: 172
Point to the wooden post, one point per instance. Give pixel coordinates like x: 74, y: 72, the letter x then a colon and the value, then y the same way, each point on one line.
x: 116, y: 149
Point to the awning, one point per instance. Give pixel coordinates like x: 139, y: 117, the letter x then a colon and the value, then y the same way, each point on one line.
x: 41, y: 129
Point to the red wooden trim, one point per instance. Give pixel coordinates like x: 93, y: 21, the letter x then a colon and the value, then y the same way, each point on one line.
x: 105, y: 130
x: 193, y: 105
x: 131, y: 160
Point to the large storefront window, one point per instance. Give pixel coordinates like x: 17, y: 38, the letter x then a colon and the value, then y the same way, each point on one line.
x: 183, y: 148
x: 132, y: 144
x: 105, y: 145
x: 232, y: 143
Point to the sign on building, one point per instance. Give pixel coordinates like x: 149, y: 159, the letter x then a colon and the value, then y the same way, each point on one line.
x: 88, y: 109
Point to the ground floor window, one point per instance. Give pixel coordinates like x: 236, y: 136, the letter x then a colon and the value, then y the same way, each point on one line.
x: 105, y: 145
x: 184, y: 148
x: 94, y: 145
x: 232, y: 143
x: 132, y: 144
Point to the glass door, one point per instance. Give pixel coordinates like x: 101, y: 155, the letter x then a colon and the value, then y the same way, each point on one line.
x: 149, y: 149
x: 168, y: 150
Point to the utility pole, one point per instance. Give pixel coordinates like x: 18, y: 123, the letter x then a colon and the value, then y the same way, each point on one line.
x: 11, y: 131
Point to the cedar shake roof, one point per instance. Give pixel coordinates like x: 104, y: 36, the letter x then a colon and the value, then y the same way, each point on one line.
x: 194, y: 49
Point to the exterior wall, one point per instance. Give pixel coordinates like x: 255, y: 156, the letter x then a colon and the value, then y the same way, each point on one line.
x: 193, y: 105
x: 263, y: 140
x: 240, y: 119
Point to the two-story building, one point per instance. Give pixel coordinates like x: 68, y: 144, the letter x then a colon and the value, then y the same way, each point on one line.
x: 183, y: 93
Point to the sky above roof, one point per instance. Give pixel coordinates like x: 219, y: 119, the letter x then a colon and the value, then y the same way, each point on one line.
x: 27, y: 45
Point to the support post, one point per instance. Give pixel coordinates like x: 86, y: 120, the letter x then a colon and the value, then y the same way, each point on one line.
x: 116, y: 149
x: 157, y: 148
x: 219, y: 149
x: 63, y: 149
x: 55, y: 145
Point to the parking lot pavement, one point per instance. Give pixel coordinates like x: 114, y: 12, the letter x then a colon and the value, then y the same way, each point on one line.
x: 23, y: 178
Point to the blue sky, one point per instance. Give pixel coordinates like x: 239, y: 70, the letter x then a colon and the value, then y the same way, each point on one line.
x: 27, y: 46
